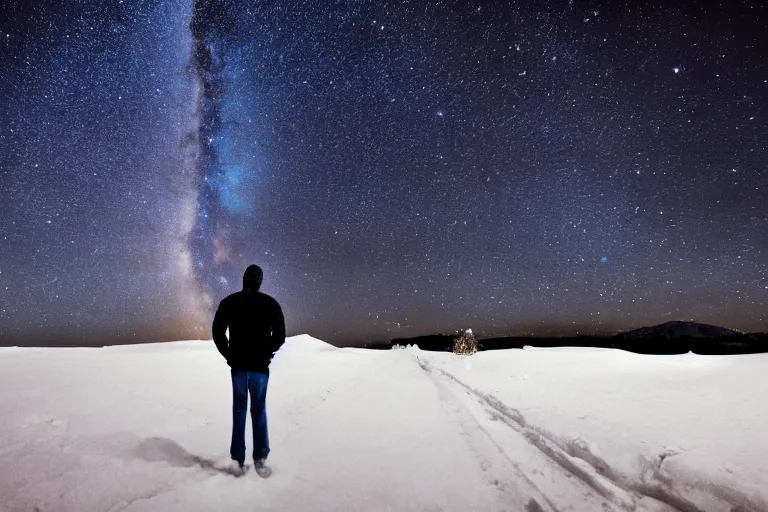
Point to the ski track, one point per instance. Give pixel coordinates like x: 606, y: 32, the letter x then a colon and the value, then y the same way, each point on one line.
x: 491, y: 457
x: 567, y: 468
x: 653, y: 487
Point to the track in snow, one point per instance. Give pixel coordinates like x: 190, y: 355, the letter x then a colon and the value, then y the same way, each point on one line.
x: 518, y: 452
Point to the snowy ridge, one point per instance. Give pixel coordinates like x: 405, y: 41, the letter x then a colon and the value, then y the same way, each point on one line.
x: 305, y: 341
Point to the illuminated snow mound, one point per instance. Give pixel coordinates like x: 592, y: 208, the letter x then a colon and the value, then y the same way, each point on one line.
x: 305, y: 341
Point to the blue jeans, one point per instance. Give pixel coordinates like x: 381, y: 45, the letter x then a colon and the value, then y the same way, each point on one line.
x: 242, y: 384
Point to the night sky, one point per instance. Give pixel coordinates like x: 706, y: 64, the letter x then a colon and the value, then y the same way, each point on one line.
x: 397, y: 168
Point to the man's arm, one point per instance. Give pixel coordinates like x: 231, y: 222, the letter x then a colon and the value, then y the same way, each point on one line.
x: 278, y: 329
x: 220, y: 324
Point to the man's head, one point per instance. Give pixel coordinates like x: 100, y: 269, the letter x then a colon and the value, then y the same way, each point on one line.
x: 252, y: 278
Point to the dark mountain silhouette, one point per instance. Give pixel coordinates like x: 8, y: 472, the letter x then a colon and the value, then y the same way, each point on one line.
x: 678, y: 329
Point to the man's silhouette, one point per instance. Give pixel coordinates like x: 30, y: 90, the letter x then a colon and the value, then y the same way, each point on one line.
x: 256, y: 332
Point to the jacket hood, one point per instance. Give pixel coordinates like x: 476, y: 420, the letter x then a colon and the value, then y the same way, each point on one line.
x: 252, y: 278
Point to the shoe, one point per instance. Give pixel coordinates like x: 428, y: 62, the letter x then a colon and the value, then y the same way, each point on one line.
x: 238, y: 468
x: 260, y: 465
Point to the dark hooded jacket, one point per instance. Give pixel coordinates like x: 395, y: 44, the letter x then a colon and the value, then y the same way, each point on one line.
x: 256, y: 326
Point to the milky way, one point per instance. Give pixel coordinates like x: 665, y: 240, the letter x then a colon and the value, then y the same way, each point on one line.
x: 397, y: 168
x: 212, y: 27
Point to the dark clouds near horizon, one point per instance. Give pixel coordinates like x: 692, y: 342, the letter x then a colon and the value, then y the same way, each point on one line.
x: 397, y: 168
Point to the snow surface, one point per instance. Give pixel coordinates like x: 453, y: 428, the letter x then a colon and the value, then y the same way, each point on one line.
x: 147, y: 427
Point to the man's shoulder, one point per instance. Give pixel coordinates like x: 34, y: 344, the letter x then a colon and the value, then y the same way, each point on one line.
x: 229, y: 299
x: 268, y: 299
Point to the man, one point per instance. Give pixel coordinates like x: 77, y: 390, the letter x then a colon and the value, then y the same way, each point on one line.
x: 256, y: 332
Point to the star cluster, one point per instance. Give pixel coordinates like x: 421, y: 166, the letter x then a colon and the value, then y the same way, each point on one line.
x: 397, y: 168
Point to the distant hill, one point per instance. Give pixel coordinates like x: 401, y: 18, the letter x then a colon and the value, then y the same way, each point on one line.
x: 681, y: 337
x: 678, y: 329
